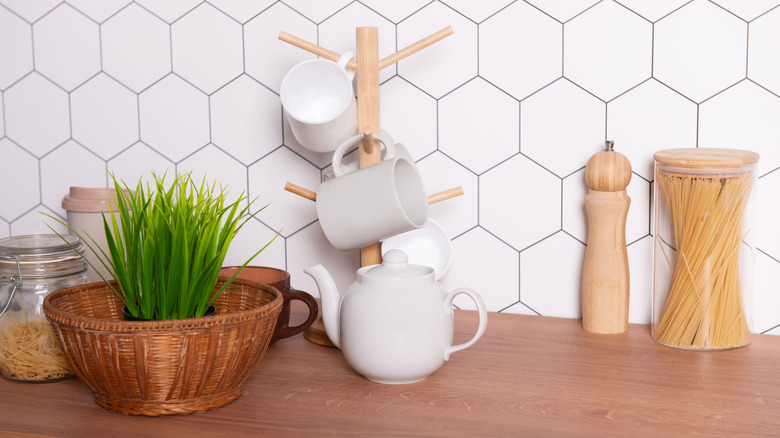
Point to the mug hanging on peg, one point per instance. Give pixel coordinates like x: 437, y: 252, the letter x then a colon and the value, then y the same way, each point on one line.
x: 605, y: 277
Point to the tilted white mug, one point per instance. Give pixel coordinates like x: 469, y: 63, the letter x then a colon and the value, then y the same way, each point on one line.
x: 367, y: 205
x: 319, y: 101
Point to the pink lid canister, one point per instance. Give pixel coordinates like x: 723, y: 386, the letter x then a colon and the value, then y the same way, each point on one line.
x: 88, y: 199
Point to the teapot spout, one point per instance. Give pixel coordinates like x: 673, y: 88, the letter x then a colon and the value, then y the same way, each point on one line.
x: 330, y: 300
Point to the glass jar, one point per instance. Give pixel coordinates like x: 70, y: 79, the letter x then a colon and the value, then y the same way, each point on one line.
x: 31, y: 267
x: 705, y: 248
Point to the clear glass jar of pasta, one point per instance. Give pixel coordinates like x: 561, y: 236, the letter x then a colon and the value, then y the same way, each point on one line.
x: 705, y: 248
x: 31, y: 267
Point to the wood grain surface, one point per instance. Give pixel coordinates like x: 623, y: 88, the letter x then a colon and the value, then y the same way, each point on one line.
x: 528, y: 376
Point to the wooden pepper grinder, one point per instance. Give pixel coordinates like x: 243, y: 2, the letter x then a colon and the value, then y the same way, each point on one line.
x: 605, y: 280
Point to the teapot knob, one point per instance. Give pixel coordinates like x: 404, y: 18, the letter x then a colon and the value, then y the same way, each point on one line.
x: 395, y: 258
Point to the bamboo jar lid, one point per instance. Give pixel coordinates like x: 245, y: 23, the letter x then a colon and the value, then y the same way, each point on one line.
x: 706, y: 157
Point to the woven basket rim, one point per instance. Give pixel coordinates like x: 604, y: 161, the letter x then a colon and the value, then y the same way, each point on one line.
x: 55, y: 314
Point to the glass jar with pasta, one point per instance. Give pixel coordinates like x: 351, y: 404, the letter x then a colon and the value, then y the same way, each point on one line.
x: 704, y: 249
x: 31, y: 267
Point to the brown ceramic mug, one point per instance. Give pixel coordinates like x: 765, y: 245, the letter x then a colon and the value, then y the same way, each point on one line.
x: 279, y: 279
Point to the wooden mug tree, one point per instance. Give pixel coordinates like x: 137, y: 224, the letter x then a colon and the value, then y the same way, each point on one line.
x: 367, y: 65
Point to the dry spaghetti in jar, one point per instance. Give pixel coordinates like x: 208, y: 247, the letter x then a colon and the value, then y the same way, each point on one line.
x: 31, y: 267
x: 705, y: 248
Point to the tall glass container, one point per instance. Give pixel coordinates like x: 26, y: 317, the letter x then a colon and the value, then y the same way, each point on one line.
x: 31, y: 267
x: 704, y: 250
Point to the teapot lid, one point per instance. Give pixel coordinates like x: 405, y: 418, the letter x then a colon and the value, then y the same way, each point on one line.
x: 395, y: 264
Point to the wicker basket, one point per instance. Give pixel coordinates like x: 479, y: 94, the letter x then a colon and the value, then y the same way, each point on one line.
x: 163, y: 367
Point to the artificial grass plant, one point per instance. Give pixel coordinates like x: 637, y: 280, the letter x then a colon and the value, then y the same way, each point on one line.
x: 167, y: 245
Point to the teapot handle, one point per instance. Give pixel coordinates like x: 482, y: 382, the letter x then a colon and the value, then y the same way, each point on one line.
x: 482, y: 318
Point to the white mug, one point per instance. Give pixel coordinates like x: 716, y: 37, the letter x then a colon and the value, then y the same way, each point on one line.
x: 368, y: 205
x: 319, y: 101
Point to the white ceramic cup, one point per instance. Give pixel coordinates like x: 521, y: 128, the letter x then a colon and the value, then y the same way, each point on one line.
x: 428, y: 246
x: 319, y: 101
x: 368, y: 205
x: 350, y: 161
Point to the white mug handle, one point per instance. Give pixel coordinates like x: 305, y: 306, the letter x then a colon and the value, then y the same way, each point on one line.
x: 342, y: 62
x: 482, y: 318
x: 338, y: 154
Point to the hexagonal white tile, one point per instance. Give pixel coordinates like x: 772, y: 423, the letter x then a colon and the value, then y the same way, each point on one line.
x: 640, y: 262
x: 170, y: 10
x: 395, y: 11
x: 765, y: 296
x: 456, y: 215
x: 338, y: 33
x: 137, y: 163
x: 101, y: 10
x: 67, y: 47
x: 246, y: 119
x: 252, y: 237
x: 700, y: 50
x: 535, y: 58
x: 5, y: 229
x: 561, y: 127
x: 214, y: 166
x: 241, y: 10
x: 495, y: 278
x: 207, y: 48
x: 139, y: 61
x: 764, y: 44
x: 564, y: 10
x: 56, y: 178
x: 649, y: 118
x: 36, y: 114
x: 744, y: 116
x: 15, y: 48
x: 20, y: 183
x: 309, y: 247
x: 477, y: 11
x: 31, y: 11
x: 574, y: 216
x: 33, y: 222
x: 550, y: 276
x: 654, y: 10
x: 638, y: 220
x: 104, y: 116
x: 607, y: 59
x: 287, y: 212
x: 479, y: 125
x: 267, y: 58
x: 414, y: 129
x: 520, y: 202
x: 319, y: 10
x: 767, y: 209
x: 442, y: 67
x: 174, y: 118
x: 2, y: 117
x: 747, y: 10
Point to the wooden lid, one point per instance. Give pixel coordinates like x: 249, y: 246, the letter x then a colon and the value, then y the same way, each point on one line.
x: 706, y: 157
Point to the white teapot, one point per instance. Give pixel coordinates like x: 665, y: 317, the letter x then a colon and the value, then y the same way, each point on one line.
x: 395, y: 322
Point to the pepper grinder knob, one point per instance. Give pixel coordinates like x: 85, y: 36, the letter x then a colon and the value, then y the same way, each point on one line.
x: 605, y: 279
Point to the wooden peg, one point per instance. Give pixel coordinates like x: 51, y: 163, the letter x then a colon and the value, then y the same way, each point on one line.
x: 416, y: 47
x: 313, y: 48
x: 368, y: 140
x: 447, y: 194
x: 300, y: 191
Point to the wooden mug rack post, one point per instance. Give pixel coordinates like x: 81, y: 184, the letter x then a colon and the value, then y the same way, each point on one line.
x: 368, y: 65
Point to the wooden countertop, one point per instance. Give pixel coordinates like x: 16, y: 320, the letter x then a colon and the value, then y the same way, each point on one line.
x: 528, y: 376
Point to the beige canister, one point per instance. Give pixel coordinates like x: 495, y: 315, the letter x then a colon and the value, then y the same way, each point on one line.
x: 85, y: 207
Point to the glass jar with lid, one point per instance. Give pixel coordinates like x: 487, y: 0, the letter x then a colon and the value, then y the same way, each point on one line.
x: 31, y: 267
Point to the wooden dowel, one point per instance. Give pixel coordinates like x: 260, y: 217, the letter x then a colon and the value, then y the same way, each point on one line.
x: 300, y: 191
x: 447, y: 194
x: 313, y: 48
x: 368, y: 140
x: 416, y: 47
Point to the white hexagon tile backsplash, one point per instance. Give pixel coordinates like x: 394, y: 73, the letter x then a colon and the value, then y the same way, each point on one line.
x: 510, y: 107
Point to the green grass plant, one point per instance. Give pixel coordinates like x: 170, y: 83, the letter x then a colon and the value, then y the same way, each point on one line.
x: 166, y: 245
